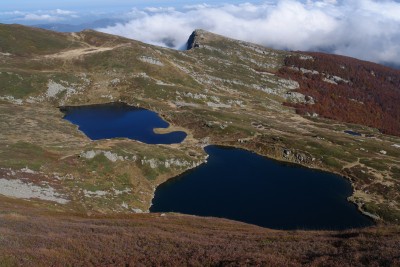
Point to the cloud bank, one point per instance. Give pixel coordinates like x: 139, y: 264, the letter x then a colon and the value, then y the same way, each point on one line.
x: 365, y: 29
x: 40, y: 16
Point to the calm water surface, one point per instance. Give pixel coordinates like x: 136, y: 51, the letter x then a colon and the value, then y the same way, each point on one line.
x: 243, y: 186
x: 120, y: 120
x: 234, y: 183
x: 353, y: 133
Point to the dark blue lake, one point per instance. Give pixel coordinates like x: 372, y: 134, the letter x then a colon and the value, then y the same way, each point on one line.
x: 353, y: 133
x: 243, y: 186
x: 116, y: 120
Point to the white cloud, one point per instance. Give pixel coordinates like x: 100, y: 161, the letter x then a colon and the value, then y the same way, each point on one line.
x: 41, y: 15
x: 36, y: 17
x: 63, y: 12
x: 11, y: 13
x: 366, y: 29
x: 159, y: 9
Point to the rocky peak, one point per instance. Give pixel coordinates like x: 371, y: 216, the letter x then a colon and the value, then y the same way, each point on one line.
x: 194, y: 38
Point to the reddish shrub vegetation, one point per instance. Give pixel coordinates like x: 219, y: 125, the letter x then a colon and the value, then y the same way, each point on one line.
x: 367, y: 93
x: 30, y: 237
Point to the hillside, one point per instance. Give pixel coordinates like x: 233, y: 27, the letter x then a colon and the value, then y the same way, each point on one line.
x: 23, y: 41
x: 220, y: 91
x: 348, y: 90
x: 30, y: 237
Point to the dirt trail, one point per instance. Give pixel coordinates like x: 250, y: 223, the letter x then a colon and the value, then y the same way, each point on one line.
x: 75, y: 53
x: 353, y: 164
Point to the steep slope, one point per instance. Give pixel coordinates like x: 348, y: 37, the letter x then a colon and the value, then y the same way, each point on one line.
x: 348, y: 90
x: 222, y: 91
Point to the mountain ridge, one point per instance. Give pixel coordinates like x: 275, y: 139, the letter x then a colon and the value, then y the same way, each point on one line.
x: 223, y: 92
x: 221, y: 76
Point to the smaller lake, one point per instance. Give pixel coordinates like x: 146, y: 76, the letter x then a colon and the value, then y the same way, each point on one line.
x: 243, y: 186
x: 353, y: 133
x: 118, y: 120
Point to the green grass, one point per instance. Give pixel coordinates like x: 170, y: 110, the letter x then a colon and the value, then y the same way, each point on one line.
x: 93, y: 187
x: 8, y: 261
x: 384, y: 211
x: 375, y: 164
x: 23, y: 154
x: 395, y: 173
x: 331, y: 154
x: 102, y: 39
x: 332, y: 162
x: 100, y: 163
x: 122, y: 181
x: 22, y: 41
x: 20, y: 85
x: 149, y: 173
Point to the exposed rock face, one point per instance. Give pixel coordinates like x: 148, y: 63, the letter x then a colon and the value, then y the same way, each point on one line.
x: 298, y: 157
x: 54, y: 89
x: 18, y: 189
x: 151, y: 60
x: 168, y: 163
x: 193, y: 41
x: 296, y: 97
x: 113, y: 157
x: 285, y: 89
x: 11, y: 99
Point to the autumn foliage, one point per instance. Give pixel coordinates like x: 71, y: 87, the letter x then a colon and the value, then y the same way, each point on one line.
x: 347, y: 89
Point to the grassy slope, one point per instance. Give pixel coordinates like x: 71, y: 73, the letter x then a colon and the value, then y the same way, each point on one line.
x: 364, y: 92
x: 219, y: 72
x: 177, y: 240
x: 104, y: 68
x: 24, y: 41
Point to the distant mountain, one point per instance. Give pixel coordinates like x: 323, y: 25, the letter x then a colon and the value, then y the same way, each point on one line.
x: 60, y: 27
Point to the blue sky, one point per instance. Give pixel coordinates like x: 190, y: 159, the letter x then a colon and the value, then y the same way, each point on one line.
x: 34, y: 12
x: 114, y: 5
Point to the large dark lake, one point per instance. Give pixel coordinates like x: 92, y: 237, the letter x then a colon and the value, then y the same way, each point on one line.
x: 116, y: 120
x: 243, y: 186
x: 234, y: 183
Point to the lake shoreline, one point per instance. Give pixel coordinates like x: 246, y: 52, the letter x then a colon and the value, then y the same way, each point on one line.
x: 173, y: 128
x: 368, y: 217
x: 375, y: 218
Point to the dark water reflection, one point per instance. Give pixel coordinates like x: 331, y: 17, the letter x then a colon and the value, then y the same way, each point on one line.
x: 120, y: 120
x: 243, y: 186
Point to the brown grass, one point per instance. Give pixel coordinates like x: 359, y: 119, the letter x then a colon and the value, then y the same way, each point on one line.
x: 31, y: 238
